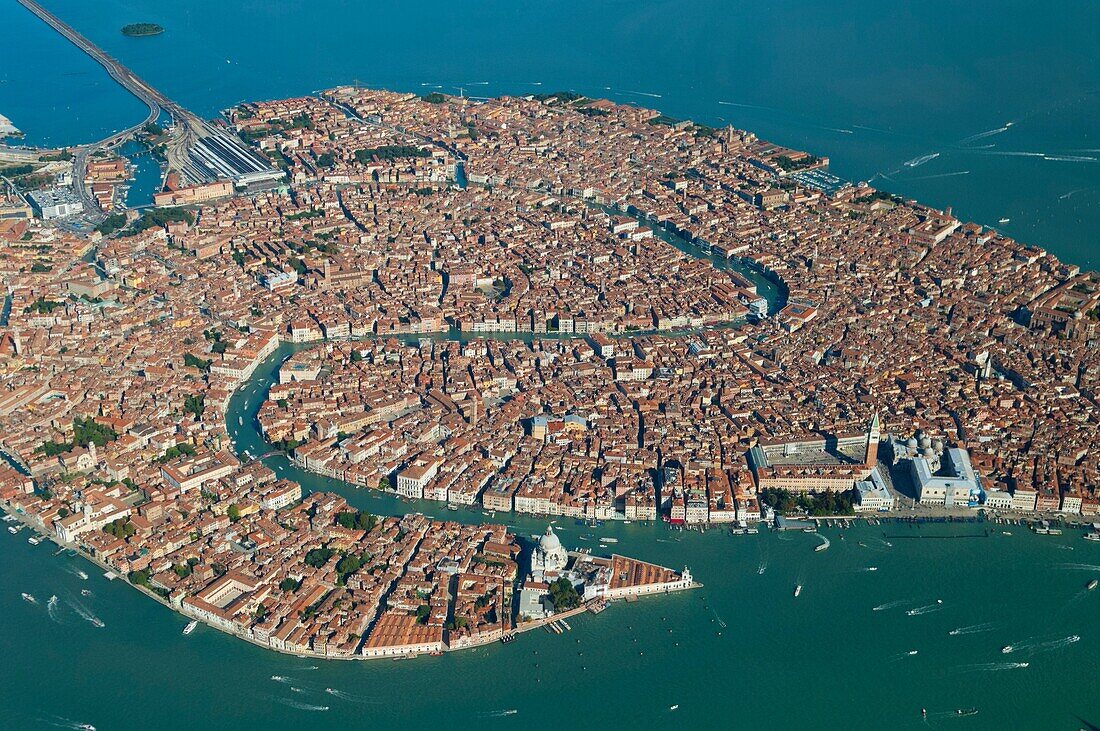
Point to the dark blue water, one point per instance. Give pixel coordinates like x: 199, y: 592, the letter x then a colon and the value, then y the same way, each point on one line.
x: 870, y: 84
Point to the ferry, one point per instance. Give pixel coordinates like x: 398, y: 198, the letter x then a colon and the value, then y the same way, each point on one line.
x: 1093, y: 584
x: 29, y: 598
x: 191, y: 626
x: 798, y: 590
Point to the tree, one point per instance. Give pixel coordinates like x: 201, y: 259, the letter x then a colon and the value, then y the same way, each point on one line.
x: 318, y: 557
x: 422, y: 613
x: 192, y: 361
x: 234, y: 513
x: 356, y: 356
x: 564, y: 595
x: 288, y: 584
x: 194, y: 404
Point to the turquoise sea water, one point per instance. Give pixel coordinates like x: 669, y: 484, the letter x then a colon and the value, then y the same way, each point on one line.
x: 873, y: 85
x: 907, y: 83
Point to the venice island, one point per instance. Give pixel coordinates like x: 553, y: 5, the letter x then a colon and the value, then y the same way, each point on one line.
x: 520, y: 304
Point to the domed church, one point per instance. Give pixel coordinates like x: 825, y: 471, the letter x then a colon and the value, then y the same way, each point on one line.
x: 549, y: 555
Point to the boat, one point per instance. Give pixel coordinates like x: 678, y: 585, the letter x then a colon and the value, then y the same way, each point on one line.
x: 85, y: 727
x: 13, y: 529
x: 1003, y: 220
x: 97, y: 622
x: 610, y: 540
x: 674, y: 706
x: 191, y: 626
x: 966, y: 712
x: 240, y: 421
x: 913, y: 652
x: 29, y: 598
x: 1093, y: 584
x: 1007, y: 649
x: 34, y: 540
x: 1092, y: 536
x: 798, y: 590
x: 82, y: 575
x: 1006, y: 533
x: 872, y: 568
x: 85, y: 592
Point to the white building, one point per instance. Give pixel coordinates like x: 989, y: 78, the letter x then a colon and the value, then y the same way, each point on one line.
x: 950, y: 482
x: 55, y: 203
x: 873, y: 494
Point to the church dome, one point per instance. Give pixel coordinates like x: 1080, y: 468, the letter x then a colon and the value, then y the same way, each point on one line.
x: 549, y: 542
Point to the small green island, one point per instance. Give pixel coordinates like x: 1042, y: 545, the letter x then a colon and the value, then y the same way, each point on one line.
x: 136, y: 30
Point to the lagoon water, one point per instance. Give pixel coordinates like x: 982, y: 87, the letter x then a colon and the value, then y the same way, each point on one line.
x: 870, y: 85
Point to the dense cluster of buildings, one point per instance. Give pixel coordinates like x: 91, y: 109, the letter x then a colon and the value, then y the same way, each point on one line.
x: 650, y: 382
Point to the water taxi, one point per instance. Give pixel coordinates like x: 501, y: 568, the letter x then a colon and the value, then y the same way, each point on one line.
x: 29, y: 598
x: 34, y: 540
x: 82, y: 575
x: 191, y: 626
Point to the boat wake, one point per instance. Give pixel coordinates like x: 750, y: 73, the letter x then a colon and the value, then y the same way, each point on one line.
x: 762, y: 567
x: 917, y: 611
x: 1078, y: 566
x: 749, y: 106
x: 891, y: 605
x: 987, y: 133
x: 51, y: 609
x: 62, y: 722
x: 301, y: 706
x: 280, y: 678
x: 638, y: 93
x: 1069, y: 158
x: 85, y: 613
x: 942, y: 175
x: 991, y: 667
x: 918, y: 161
x: 1054, y: 644
x: 350, y: 697
x: 972, y: 629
